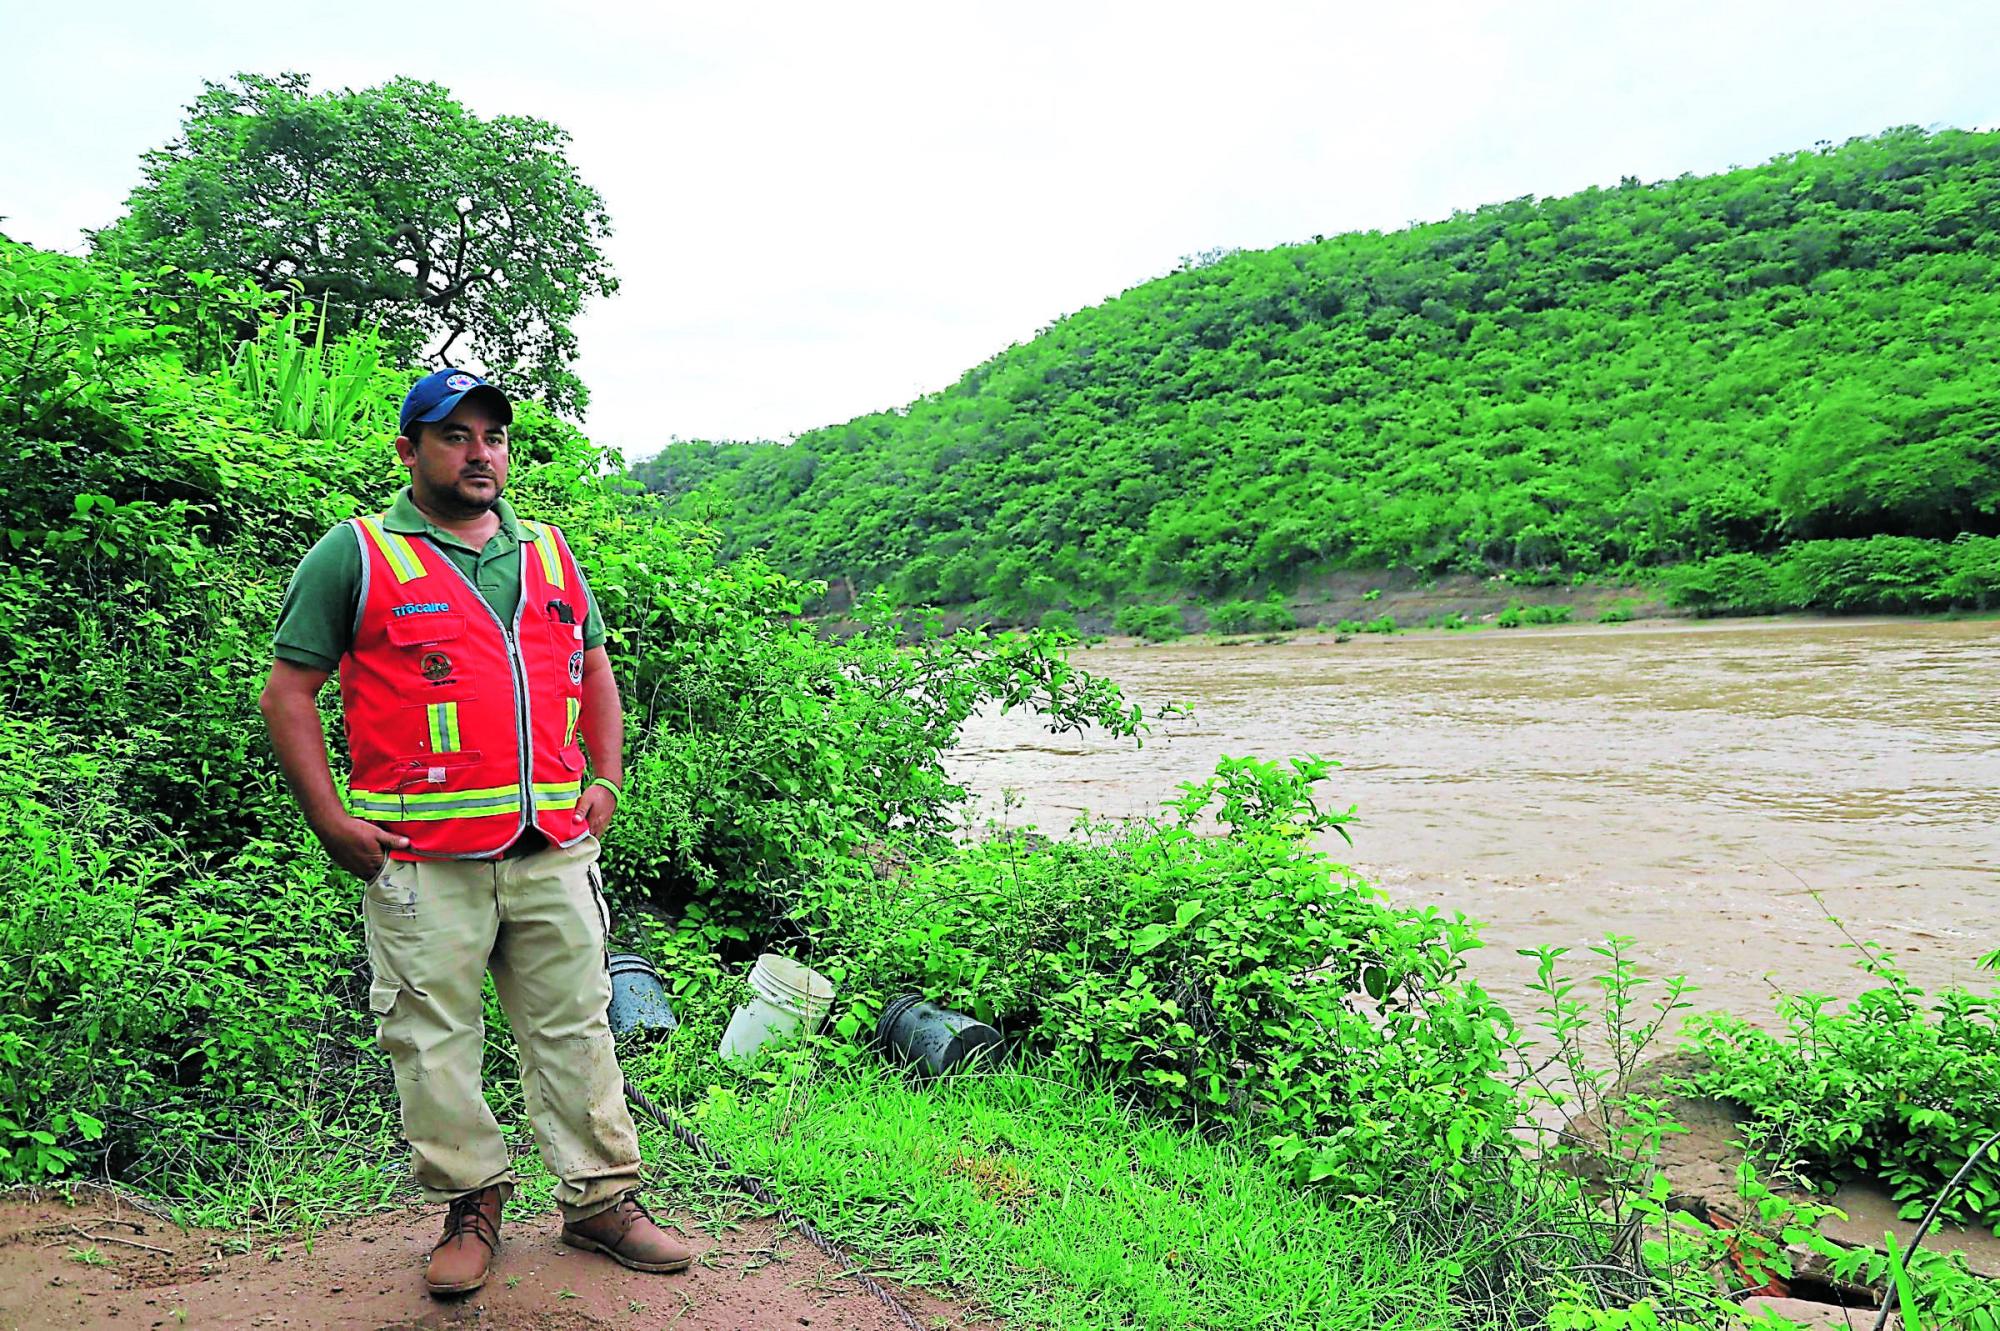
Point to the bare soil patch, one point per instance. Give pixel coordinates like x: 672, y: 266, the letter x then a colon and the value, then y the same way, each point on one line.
x: 98, y: 1260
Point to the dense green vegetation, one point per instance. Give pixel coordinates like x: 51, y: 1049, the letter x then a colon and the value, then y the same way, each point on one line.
x: 181, y: 973
x: 394, y: 207
x: 1238, y: 973
x: 1267, y: 1096
x: 176, y: 956
x: 1776, y: 381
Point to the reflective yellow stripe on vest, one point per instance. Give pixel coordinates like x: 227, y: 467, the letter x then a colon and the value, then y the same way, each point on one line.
x: 443, y: 718
x: 393, y: 805
x: 545, y: 546
x: 569, y: 729
x: 396, y: 806
x: 395, y: 548
x: 557, y: 794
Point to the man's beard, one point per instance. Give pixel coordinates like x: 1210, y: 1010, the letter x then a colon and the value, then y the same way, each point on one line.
x: 454, y: 504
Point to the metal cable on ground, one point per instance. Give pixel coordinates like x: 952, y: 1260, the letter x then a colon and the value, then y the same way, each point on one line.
x: 756, y: 1188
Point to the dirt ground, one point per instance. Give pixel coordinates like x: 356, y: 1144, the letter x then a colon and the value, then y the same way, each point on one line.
x: 100, y: 1261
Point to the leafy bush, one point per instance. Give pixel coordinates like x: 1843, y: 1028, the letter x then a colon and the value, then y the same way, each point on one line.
x: 1973, y: 580
x: 1154, y: 623
x: 1515, y: 615
x: 149, y: 1008
x: 1380, y: 624
x: 1732, y: 584
x: 1883, y: 1087
x: 1619, y: 611
x: 1895, y: 574
x: 1059, y: 621
x: 1270, y: 615
x: 1892, y: 573
x: 1243, y: 973
x: 1934, y: 1289
x: 760, y: 751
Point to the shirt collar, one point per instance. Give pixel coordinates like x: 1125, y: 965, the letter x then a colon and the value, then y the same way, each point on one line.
x: 404, y: 516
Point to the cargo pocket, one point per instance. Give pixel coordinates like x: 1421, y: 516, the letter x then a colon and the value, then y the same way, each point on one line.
x: 393, y: 1030
x: 382, y: 996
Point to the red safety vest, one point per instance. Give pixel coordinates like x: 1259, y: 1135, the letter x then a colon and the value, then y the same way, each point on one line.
x: 463, y: 730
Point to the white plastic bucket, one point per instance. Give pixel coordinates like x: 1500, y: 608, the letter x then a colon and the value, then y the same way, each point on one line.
x: 785, y: 997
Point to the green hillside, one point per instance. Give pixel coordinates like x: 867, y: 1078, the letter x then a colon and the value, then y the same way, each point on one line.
x: 1791, y: 367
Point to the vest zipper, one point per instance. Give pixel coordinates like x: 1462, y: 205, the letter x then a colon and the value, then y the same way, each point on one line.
x: 521, y: 714
x: 518, y: 672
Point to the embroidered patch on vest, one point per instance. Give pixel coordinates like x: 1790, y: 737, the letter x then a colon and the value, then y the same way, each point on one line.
x: 436, y: 667
x: 576, y: 667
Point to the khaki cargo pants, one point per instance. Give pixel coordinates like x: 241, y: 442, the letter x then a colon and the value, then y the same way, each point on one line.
x: 540, y: 921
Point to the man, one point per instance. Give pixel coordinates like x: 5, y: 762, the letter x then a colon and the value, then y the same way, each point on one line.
x: 473, y: 677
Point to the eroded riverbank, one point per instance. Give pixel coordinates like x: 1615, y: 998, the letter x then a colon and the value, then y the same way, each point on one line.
x: 1691, y: 784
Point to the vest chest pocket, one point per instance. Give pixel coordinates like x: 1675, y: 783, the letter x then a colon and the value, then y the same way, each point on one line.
x: 432, y: 645
x: 566, y: 649
x: 566, y: 645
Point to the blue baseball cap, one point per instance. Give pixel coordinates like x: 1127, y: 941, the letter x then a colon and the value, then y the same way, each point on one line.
x: 436, y: 396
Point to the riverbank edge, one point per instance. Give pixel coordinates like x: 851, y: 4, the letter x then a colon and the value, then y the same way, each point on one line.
x: 1664, y: 623
x: 1412, y: 599
x: 1452, y: 604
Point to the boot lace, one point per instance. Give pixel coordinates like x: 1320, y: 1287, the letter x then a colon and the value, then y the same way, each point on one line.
x: 631, y: 1199
x: 465, y: 1217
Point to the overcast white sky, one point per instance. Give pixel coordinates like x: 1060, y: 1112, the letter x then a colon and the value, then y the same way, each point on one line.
x: 827, y: 209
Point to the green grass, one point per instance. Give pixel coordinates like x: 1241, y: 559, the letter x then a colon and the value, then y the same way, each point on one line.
x: 1043, y: 1200
x: 1055, y: 1206
x: 312, y: 1167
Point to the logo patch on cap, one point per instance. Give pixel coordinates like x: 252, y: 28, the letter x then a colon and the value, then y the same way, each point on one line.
x: 458, y: 383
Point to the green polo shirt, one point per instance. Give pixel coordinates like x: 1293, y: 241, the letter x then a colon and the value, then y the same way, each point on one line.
x: 316, y: 622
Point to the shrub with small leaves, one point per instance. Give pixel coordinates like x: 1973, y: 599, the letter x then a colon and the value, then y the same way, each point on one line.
x: 1240, y: 972
x: 1886, y: 1086
x: 1154, y: 623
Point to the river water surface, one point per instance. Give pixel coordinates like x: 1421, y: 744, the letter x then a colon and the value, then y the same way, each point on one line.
x: 1686, y: 784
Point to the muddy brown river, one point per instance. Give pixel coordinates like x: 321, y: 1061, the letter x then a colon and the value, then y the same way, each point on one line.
x: 1689, y: 784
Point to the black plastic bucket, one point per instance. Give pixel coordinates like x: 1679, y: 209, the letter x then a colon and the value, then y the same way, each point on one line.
x: 638, y: 999
x: 930, y: 1038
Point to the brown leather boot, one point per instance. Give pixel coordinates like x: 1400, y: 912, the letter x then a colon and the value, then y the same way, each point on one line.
x: 471, y: 1238
x: 627, y: 1235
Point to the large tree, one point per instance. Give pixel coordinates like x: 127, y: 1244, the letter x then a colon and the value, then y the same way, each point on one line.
x: 464, y: 238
